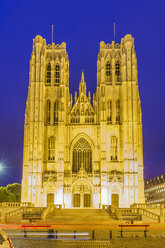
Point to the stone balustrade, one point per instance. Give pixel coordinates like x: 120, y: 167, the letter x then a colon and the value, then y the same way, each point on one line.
x: 15, y: 204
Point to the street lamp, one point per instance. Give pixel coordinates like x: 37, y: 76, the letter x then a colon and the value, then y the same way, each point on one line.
x: 1, y: 167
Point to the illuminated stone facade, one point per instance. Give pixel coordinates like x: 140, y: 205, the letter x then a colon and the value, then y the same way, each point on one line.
x: 86, y: 152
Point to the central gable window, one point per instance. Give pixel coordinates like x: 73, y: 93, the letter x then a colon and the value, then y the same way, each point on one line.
x: 82, y: 156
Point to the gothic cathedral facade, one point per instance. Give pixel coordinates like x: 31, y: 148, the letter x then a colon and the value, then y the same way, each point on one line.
x: 86, y: 151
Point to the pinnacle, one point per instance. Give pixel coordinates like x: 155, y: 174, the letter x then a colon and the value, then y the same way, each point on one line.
x: 82, y: 76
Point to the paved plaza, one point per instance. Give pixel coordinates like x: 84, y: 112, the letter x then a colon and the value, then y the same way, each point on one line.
x: 155, y: 239
x: 150, y: 242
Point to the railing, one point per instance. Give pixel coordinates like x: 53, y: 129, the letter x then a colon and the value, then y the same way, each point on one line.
x: 128, y: 210
x: 149, y: 214
x: 19, y: 211
x: 116, y: 211
x: 130, y: 214
x: 16, y: 204
x: 24, y: 210
x: 140, y: 211
x: 47, y: 211
x: 118, y: 214
x: 144, y: 205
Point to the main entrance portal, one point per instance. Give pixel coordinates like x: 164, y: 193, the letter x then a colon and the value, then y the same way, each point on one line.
x: 76, y: 200
x: 86, y: 200
x: 82, y: 191
x: 50, y: 199
x: 81, y: 200
x: 115, y: 200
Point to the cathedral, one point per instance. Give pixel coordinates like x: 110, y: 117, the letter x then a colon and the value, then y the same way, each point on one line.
x: 83, y: 151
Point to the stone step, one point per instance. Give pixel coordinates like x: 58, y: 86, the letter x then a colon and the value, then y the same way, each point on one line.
x: 75, y: 212
x: 79, y: 214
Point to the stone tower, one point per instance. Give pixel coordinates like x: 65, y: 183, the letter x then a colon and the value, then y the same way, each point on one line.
x: 86, y: 152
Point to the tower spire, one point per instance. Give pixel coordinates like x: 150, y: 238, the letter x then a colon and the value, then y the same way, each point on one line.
x: 82, y: 85
x: 82, y: 76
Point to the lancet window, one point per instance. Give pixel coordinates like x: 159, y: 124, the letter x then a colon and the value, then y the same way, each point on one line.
x: 114, y: 148
x: 82, y: 156
x: 48, y: 112
x: 51, y: 149
x: 108, y: 72
x: 48, y: 74
x: 55, y: 119
x: 89, y: 117
x: 117, y: 111
x: 75, y: 117
x: 109, y: 112
x: 118, y: 72
x: 57, y: 74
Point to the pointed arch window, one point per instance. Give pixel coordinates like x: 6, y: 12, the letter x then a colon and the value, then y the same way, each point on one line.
x: 48, y: 112
x: 109, y: 111
x: 82, y: 156
x: 117, y: 104
x: 55, y: 119
x: 117, y: 111
x: 117, y: 68
x: 57, y: 74
x: 114, y: 148
x: 108, y: 68
x: 51, y: 149
x: 48, y: 74
x: 118, y: 72
x: 108, y: 72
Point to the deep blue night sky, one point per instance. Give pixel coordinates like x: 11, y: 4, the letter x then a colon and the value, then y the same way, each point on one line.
x: 82, y: 25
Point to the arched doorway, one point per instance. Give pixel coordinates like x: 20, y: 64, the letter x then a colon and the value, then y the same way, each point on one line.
x: 50, y: 199
x: 115, y: 200
x: 115, y: 187
x: 82, y: 194
x: 87, y: 200
x: 76, y: 201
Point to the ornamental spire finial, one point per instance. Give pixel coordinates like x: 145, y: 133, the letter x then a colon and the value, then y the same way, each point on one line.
x: 82, y: 76
x: 82, y: 85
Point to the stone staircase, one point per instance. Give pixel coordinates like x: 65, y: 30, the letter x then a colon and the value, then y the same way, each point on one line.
x: 24, y: 213
x: 148, y: 216
x: 137, y: 214
x: 34, y: 215
x: 150, y: 212
x: 78, y: 215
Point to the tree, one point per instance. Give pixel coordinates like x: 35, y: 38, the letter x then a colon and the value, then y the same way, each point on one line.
x: 10, y: 193
x: 15, y: 189
x: 6, y: 196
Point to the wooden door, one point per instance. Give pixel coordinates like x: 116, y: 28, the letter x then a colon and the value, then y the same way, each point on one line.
x: 115, y: 200
x: 76, y: 200
x: 50, y: 199
x: 86, y: 200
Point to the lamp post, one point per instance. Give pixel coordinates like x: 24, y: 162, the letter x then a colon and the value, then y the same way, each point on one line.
x: 1, y: 167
